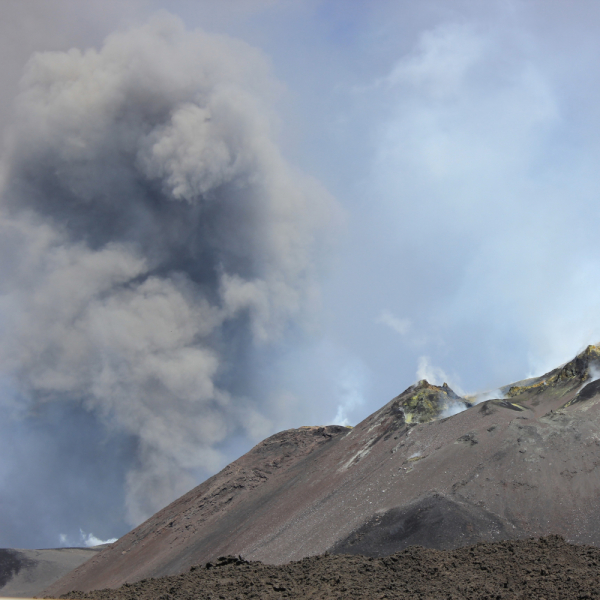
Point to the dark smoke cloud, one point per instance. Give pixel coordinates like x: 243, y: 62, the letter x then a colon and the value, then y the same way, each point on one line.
x: 460, y: 136
x: 153, y: 238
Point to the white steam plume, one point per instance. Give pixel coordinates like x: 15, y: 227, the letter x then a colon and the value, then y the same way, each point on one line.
x: 400, y: 326
x: 434, y: 375
x: 88, y: 540
x: 351, y: 384
x: 152, y: 235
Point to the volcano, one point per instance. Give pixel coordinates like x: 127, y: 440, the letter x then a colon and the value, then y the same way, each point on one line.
x: 525, y: 464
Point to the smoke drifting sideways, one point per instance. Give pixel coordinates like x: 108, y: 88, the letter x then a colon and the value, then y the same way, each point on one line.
x: 154, y: 239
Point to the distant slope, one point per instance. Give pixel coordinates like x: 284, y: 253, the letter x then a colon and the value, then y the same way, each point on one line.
x: 236, y: 504
x: 508, y: 468
x: 25, y: 573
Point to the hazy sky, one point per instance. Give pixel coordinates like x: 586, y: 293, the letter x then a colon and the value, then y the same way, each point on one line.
x: 224, y: 219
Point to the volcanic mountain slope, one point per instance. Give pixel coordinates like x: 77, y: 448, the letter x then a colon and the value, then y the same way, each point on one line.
x: 513, y: 467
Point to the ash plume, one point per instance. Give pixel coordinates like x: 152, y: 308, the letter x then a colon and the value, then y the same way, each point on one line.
x: 153, y: 237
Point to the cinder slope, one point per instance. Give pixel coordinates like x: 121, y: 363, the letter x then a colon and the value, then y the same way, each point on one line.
x: 227, y: 511
x: 502, y: 469
x: 25, y: 573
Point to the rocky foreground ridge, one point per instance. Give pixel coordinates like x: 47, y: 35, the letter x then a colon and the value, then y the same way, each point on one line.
x: 547, y: 568
x: 522, y: 465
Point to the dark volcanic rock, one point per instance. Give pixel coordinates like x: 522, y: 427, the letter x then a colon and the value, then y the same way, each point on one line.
x: 577, y: 370
x: 546, y: 568
x: 587, y: 393
x: 579, y: 367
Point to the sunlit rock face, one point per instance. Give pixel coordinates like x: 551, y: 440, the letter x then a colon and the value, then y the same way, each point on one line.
x: 585, y: 367
x: 582, y: 367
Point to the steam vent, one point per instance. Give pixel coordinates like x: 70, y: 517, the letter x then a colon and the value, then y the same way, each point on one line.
x: 424, y: 402
x: 429, y: 468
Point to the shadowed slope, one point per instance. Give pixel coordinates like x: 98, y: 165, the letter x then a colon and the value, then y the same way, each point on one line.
x: 25, y: 573
x: 434, y: 521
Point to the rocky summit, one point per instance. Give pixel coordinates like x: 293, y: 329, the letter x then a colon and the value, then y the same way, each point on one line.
x: 425, y: 402
x: 524, y: 464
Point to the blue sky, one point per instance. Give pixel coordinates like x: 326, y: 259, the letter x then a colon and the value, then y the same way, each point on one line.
x: 456, y: 145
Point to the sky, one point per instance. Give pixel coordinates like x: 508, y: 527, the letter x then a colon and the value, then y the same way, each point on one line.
x: 222, y: 220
